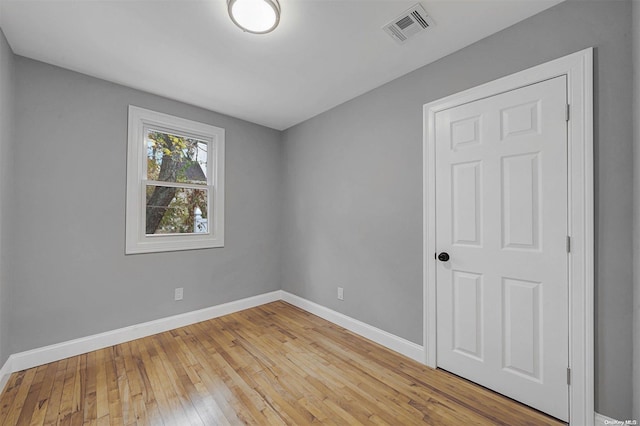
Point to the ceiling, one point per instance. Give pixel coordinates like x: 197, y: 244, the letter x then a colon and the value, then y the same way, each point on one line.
x: 324, y: 52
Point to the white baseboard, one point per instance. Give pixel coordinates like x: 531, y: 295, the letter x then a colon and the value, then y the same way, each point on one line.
x: 5, y: 373
x: 391, y: 341
x: 39, y: 356
x: 35, y: 357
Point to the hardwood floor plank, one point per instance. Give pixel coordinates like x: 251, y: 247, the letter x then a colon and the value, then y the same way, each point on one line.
x: 66, y: 402
x: 30, y: 403
x: 125, y: 374
x: 239, y: 395
x: 153, y: 374
x: 87, y: 388
x: 270, y: 365
x: 143, y: 402
x: 204, y: 403
x: 102, y: 386
x: 115, y: 409
x: 10, y: 391
x: 42, y: 398
x: 53, y: 406
x: 20, y: 397
x: 180, y: 386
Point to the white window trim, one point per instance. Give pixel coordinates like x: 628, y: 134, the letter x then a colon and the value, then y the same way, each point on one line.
x: 136, y: 239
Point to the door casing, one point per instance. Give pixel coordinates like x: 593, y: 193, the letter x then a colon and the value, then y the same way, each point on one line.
x: 578, y: 67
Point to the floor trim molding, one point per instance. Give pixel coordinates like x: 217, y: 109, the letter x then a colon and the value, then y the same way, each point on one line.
x: 391, y: 341
x: 39, y: 356
x: 5, y: 373
x: 46, y: 354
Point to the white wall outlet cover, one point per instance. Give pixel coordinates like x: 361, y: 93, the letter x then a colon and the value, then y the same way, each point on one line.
x: 178, y: 293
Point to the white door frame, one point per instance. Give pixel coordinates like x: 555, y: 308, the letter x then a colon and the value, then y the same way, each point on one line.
x: 578, y: 67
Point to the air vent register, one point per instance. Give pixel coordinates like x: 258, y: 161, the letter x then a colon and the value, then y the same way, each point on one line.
x: 413, y: 21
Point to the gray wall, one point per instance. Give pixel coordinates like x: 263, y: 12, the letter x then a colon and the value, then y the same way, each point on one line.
x: 71, y: 276
x: 353, y: 184
x: 6, y: 136
x: 348, y: 184
x: 636, y: 204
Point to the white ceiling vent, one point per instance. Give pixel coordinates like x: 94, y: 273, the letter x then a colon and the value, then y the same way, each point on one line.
x: 410, y: 23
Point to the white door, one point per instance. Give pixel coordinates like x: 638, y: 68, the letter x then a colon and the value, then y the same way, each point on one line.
x: 501, y: 216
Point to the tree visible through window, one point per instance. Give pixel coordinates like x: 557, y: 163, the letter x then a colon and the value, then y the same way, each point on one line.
x: 172, y: 209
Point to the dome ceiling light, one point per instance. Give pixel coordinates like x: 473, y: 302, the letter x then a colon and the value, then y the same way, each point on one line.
x: 255, y: 16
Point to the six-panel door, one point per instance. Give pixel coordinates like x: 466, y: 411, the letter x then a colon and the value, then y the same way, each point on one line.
x: 501, y: 214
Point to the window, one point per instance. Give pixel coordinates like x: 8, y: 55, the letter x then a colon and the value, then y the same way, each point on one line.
x: 175, y: 183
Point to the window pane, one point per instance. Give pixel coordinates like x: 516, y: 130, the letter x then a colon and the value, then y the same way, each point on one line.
x: 173, y: 158
x: 176, y: 210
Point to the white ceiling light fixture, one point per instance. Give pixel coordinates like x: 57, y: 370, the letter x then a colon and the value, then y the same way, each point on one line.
x: 255, y: 16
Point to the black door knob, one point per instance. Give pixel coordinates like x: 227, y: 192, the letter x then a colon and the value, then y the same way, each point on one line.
x: 443, y: 257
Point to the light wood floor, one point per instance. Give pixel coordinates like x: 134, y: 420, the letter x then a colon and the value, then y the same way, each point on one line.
x: 274, y: 364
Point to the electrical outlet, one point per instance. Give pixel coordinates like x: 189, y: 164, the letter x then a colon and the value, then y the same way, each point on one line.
x: 340, y: 293
x: 177, y: 295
